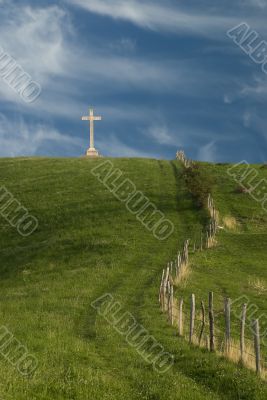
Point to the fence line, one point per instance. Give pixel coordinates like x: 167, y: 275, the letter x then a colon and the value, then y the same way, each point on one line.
x: 180, y: 155
x: 245, y: 349
x: 213, y: 225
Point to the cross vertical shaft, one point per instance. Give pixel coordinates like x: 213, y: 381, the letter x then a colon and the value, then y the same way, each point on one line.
x: 92, y: 139
x: 92, y: 132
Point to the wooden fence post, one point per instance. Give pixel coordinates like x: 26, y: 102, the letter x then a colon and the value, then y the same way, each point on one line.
x: 180, y: 324
x: 178, y: 264
x: 192, y: 317
x: 209, y: 200
x: 242, y: 332
x: 161, y: 287
x: 168, y: 297
x: 171, y: 268
x: 171, y: 305
x: 207, y: 341
x: 256, y: 332
x: 227, y: 311
x: 166, y: 293
x: 203, y: 322
x: 211, y: 322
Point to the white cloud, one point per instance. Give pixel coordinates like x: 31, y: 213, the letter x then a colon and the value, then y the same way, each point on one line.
x: 261, y: 3
x: 19, y: 139
x: 247, y: 119
x: 252, y: 120
x: 256, y: 3
x: 259, y: 90
x: 35, y: 38
x: 44, y: 42
x: 207, y: 152
x: 124, y: 45
x: 256, y: 89
x: 158, y: 15
x: 114, y: 147
x: 227, y: 99
x: 161, y: 134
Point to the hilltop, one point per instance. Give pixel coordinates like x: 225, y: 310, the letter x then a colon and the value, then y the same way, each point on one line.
x: 88, y: 244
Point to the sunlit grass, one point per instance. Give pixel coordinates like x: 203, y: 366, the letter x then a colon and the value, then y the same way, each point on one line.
x: 88, y: 244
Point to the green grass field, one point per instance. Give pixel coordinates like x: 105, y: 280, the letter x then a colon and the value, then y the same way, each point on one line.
x: 236, y: 267
x: 87, y: 244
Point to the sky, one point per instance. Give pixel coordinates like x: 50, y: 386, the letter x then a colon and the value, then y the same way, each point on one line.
x: 163, y: 74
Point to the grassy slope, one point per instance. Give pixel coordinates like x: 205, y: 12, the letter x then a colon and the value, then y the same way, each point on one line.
x: 87, y: 244
x: 237, y: 265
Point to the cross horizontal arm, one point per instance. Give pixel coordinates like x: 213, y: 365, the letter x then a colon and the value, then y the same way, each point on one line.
x: 91, y: 118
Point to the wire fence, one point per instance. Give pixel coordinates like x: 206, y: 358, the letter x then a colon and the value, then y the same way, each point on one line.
x: 221, y: 332
x: 229, y: 328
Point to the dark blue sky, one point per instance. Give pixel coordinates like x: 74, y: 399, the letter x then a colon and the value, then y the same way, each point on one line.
x: 163, y: 74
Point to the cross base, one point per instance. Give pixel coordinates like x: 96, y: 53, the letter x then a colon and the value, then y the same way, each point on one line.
x: 92, y: 152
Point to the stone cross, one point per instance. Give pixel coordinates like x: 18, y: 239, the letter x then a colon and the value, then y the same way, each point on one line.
x: 92, y: 152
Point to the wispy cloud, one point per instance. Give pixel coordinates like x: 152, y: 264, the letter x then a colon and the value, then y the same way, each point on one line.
x: 256, y: 3
x: 35, y: 37
x: 114, y: 147
x: 189, y: 79
x: 123, y: 45
x: 18, y: 138
x: 44, y: 42
x: 207, y: 152
x: 157, y: 15
x: 161, y: 135
x: 257, y: 88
